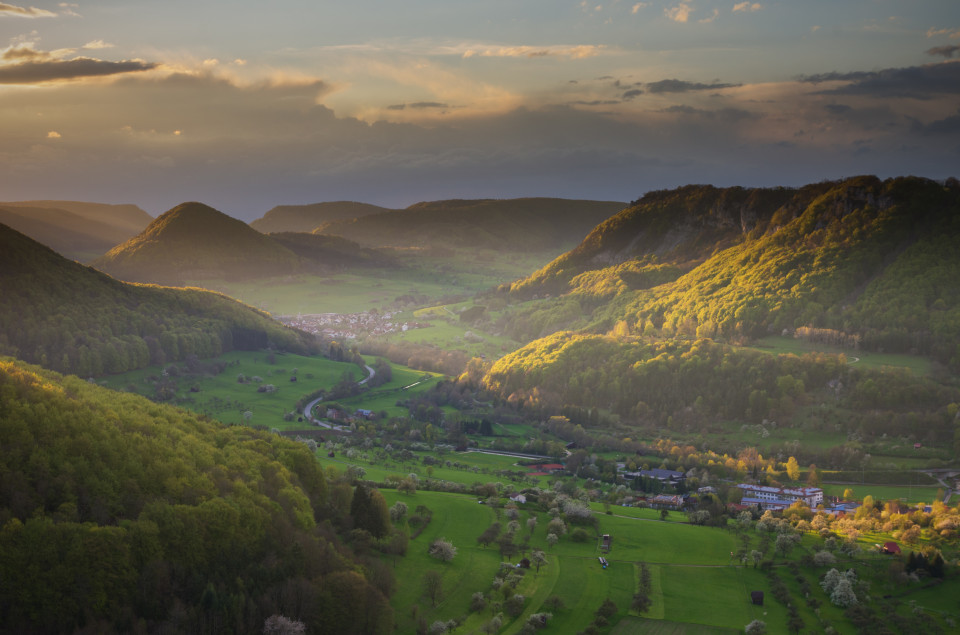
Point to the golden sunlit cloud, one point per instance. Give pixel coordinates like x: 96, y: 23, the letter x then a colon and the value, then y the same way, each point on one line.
x: 640, y: 5
x: 680, y: 13
x: 572, y: 52
x: 24, y: 12
x: 53, y: 134
x: 97, y: 44
x: 747, y: 7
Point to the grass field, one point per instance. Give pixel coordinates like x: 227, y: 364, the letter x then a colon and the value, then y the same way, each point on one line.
x: 911, y: 494
x: 223, y: 398
x: 777, y: 344
x: 641, y: 626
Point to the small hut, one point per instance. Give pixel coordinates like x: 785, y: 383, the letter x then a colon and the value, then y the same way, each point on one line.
x: 891, y: 547
x: 525, y: 563
x: 605, y: 544
x: 756, y: 597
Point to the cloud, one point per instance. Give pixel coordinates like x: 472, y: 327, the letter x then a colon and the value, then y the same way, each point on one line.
x: 24, y: 12
x: 96, y: 45
x: 630, y: 94
x: 50, y: 70
x: 716, y: 14
x: 914, y: 82
x: 747, y: 7
x: 953, y: 34
x: 945, y: 51
x: 640, y: 5
x: 53, y: 134
x: 680, y: 86
x: 572, y: 52
x: 680, y: 13
x: 837, y: 109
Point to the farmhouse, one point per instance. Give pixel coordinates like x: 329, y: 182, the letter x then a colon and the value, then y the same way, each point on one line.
x: 780, y: 497
x: 520, y: 499
x: 666, y: 501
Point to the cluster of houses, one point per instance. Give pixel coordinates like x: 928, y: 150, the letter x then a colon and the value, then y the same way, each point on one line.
x: 349, y: 325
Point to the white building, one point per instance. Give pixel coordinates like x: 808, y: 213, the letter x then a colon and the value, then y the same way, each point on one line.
x: 780, y: 497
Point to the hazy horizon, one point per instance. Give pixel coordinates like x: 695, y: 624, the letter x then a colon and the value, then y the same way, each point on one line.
x: 245, y: 106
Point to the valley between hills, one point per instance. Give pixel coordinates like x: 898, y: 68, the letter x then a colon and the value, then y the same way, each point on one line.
x: 534, y: 415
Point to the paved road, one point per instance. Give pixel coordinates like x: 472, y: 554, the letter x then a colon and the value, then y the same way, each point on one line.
x: 310, y: 406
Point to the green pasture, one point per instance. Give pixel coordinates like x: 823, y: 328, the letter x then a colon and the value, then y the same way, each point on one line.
x: 777, y: 344
x: 640, y: 626
x: 718, y: 596
x: 223, y: 398
x: 910, y: 493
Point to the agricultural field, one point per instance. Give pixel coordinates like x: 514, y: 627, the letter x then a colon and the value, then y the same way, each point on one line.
x: 223, y: 397
x: 695, y: 587
x: 777, y: 345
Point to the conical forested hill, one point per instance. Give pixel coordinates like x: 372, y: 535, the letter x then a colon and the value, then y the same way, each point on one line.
x: 72, y: 318
x: 196, y: 242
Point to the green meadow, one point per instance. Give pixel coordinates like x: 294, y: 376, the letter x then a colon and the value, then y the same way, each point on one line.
x: 694, y: 587
x: 777, y: 344
x: 223, y: 397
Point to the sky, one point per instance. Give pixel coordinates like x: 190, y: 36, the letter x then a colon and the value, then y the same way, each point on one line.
x: 246, y: 105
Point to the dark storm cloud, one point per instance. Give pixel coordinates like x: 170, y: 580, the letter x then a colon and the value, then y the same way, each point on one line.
x: 680, y: 86
x: 725, y: 115
x: 946, y: 126
x: 944, y: 51
x: 428, y: 104
x: 913, y: 82
x: 37, y: 72
x: 837, y: 109
x: 630, y: 94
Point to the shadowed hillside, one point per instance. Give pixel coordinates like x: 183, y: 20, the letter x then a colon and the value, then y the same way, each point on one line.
x: 331, y: 252
x: 196, y: 242
x: 503, y: 225
x: 74, y: 319
x: 77, y: 230
x: 306, y: 218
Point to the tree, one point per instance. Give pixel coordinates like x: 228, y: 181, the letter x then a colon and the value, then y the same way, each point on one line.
x: 538, y: 559
x: 489, y: 535
x: 756, y: 627
x: 813, y: 478
x: 552, y: 539
x: 280, y: 625
x: 442, y: 549
x: 397, y: 511
x: 433, y: 586
x: 793, y: 469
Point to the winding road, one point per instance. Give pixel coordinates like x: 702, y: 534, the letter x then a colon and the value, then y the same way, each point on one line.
x: 310, y: 406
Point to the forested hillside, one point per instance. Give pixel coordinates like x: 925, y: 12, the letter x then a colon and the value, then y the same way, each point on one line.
x: 121, y: 515
x: 331, y: 252
x: 688, y: 386
x: 71, y: 318
x: 863, y: 262
x: 306, y: 218
x: 196, y: 242
x: 502, y: 225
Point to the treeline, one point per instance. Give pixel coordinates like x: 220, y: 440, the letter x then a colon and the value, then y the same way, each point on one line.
x: 73, y: 319
x: 121, y: 515
x: 417, y: 356
x: 684, y: 384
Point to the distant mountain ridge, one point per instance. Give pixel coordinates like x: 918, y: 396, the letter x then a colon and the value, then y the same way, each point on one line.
x: 497, y: 224
x: 75, y: 229
x: 75, y: 319
x: 193, y: 241
x: 306, y: 218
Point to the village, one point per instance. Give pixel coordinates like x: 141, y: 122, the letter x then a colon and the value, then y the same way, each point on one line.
x: 350, y: 325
